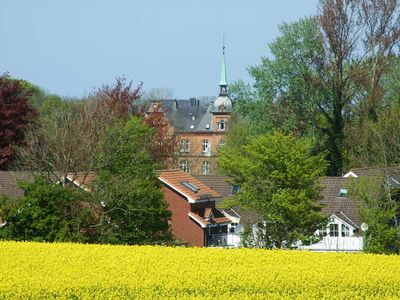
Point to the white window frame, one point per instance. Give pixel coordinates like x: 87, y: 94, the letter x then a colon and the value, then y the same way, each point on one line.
x: 184, y: 165
x: 184, y: 146
x: 205, y: 167
x: 222, y: 125
x: 346, y: 230
x: 331, y: 232
x: 206, y: 145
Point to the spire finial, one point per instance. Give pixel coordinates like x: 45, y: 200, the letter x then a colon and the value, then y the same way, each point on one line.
x: 223, y: 82
x: 223, y: 43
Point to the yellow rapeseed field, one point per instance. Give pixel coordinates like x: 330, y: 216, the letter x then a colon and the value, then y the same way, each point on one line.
x: 74, y: 271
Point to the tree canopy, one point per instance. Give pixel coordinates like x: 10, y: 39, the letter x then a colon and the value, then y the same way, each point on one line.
x: 378, y: 206
x: 15, y: 114
x: 48, y: 212
x: 278, y: 178
x: 328, y: 72
x: 127, y: 186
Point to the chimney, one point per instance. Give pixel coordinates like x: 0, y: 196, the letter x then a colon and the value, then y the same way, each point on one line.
x: 193, y: 102
x: 175, y: 105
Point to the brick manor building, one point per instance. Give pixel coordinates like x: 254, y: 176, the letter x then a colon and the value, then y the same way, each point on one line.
x: 200, y: 129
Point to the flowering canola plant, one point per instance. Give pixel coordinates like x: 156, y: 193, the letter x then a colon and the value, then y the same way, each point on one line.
x: 76, y: 271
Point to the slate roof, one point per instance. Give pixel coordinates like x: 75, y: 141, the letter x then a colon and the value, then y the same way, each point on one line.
x: 393, y: 172
x: 343, y: 207
x: 9, y: 182
x: 175, y: 179
x: 222, y: 185
x: 189, y: 115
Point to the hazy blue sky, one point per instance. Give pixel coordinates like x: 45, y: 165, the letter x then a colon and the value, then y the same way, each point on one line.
x: 70, y: 46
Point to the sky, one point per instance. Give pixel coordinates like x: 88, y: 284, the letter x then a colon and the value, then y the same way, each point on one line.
x: 71, y: 47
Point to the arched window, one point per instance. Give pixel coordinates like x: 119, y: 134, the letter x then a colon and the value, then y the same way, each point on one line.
x: 221, y: 126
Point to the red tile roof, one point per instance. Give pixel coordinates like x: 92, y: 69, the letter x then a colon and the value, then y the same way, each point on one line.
x: 175, y: 179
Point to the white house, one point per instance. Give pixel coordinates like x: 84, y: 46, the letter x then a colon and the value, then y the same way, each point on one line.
x: 343, y: 232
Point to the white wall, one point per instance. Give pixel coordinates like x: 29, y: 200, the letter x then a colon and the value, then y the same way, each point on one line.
x: 337, y: 243
x: 329, y: 243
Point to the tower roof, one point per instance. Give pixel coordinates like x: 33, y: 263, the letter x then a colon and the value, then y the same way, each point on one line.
x: 223, y: 103
x: 223, y: 81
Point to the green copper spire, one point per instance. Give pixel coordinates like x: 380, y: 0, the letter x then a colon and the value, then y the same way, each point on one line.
x: 223, y: 83
x: 223, y: 80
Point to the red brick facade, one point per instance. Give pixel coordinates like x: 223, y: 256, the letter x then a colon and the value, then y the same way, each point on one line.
x: 192, y: 205
x: 182, y: 226
x: 195, y: 157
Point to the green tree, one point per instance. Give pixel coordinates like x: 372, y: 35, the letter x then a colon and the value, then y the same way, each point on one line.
x: 326, y: 70
x: 278, y: 177
x: 48, y: 212
x: 378, y: 206
x: 127, y: 187
x: 377, y: 142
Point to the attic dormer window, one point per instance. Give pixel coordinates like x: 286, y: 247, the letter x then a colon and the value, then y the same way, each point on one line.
x: 343, y: 192
x: 222, y: 108
x: 235, y: 189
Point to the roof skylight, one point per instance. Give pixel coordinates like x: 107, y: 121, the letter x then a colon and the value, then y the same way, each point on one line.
x: 190, y: 186
x: 343, y: 192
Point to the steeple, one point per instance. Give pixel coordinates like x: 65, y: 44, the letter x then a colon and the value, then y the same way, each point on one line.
x: 223, y: 84
x: 223, y: 104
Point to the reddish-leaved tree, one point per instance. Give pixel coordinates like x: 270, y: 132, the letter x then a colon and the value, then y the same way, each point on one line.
x: 164, y: 140
x: 15, y: 114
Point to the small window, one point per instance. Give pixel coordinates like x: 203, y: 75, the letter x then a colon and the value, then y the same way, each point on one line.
x: 235, y: 189
x: 345, y: 230
x: 185, y: 146
x: 205, y: 168
x: 221, y: 143
x: 343, y: 192
x: 221, y: 125
x: 184, y: 166
x: 333, y: 230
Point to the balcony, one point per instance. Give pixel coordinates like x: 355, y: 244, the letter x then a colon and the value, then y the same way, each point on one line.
x: 224, y: 240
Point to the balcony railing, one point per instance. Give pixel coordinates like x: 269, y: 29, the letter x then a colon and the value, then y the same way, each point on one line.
x: 224, y: 240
